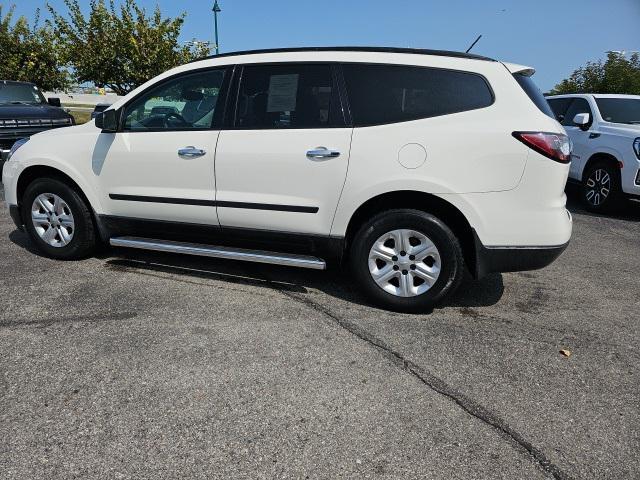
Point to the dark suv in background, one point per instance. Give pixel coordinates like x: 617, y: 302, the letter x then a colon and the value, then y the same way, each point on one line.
x: 24, y: 111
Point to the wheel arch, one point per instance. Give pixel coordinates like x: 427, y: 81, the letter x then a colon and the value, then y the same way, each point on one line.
x: 416, y: 200
x: 33, y: 172
x: 601, y: 156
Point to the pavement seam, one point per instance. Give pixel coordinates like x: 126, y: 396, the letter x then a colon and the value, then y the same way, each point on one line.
x: 440, y: 386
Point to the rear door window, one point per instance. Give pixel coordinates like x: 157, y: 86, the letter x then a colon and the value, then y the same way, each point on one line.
x: 288, y: 96
x: 381, y: 94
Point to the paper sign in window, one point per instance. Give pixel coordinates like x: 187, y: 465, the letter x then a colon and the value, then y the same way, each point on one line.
x: 283, y: 90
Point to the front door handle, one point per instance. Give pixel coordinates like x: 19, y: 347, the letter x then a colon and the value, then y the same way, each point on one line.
x: 322, y: 152
x: 191, y: 152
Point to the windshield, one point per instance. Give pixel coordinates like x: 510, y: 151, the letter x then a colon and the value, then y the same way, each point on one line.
x: 620, y: 110
x: 17, y: 93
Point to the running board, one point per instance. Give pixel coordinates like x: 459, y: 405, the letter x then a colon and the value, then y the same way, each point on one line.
x: 229, y: 253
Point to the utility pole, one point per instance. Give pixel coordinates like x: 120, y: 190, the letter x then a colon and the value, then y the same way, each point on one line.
x: 216, y: 10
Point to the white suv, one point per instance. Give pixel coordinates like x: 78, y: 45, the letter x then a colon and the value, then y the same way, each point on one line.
x: 406, y: 164
x: 605, y: 130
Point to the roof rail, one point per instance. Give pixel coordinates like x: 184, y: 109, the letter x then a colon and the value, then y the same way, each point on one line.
x: 418, y: 51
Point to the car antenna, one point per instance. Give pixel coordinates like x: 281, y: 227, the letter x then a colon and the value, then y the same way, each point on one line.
x: 473, y: 44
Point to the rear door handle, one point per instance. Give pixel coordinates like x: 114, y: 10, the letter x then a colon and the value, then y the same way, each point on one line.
x: 322, y: 152
x: 191, y: 152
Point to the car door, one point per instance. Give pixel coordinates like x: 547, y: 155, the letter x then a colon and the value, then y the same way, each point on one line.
x: 160, y: 165
x: 282, y: 164
x: 580, y: 138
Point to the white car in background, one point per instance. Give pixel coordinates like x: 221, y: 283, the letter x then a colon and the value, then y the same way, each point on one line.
x: 605, y: 130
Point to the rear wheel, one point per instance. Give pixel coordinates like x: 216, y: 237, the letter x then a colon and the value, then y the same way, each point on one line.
x: 406, y: 260
x: 601, y: 190
x: 58, y: 220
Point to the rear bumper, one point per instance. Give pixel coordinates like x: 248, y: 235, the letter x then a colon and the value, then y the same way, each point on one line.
x: 513, y: 259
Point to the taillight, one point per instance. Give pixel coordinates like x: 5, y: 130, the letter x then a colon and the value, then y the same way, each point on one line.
x: 556, y: 146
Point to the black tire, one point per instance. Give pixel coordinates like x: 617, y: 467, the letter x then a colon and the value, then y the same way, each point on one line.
x: 83, y: 241
x: 451, y: 259
x: 593, y: 186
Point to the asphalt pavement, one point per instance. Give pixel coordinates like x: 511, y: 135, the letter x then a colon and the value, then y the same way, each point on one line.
x: 142, y: 365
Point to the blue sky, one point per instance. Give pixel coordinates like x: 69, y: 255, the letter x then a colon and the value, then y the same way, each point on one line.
x: 554, y: 36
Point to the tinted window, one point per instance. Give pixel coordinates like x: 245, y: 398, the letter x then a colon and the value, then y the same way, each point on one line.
x: 560, y: 106
x: 184, y: 103
x: 578, y: 105
x: 620, y: 110
x: 534, y: 93
x: 387, y: 94
x: 287, y: 96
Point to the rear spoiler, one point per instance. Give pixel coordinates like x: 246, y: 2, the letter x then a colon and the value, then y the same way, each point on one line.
x: 520, y: 69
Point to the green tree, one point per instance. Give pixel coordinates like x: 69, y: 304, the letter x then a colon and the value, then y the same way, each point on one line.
x: 29, y: 53
x: 615, y: 75
x: 120, y: 48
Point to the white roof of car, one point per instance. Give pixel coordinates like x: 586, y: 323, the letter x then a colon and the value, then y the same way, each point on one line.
x: 612, y: 95
x: 595, y: 95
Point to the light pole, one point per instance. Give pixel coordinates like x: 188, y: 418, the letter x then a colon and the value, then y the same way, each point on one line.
x: 216, y: 10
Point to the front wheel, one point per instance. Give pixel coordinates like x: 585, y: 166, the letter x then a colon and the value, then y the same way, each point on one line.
x: 601, y: 191
x: 406, y: 260
x: 58, y: 220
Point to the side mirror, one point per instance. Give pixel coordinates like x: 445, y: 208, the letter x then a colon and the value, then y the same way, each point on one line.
x: 54, y: 102
x: 582, y: 120
x: 107, y: 121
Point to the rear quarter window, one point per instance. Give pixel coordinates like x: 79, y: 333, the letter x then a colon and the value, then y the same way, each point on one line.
x: 381, y: 94
x: 534, y: 93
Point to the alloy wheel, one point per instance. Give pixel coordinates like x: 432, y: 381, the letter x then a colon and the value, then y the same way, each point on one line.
x: 598, y: 187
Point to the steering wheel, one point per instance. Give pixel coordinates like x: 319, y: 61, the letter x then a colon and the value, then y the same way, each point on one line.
x: 178, y: 117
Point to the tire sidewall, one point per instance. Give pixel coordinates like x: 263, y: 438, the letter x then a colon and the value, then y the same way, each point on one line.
x: 437, y: 231
x: 83, y: 229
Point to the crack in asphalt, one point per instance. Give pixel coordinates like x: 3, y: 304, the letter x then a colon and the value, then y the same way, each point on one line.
x: 440, y: 386
x: 517, y: 440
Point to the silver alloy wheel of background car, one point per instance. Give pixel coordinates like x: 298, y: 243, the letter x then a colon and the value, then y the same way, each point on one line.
x: 52, y: 219
x: 404, y: 263
x: 598, y: 187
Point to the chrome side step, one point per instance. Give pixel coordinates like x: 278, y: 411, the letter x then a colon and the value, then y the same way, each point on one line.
x: 260, y: 256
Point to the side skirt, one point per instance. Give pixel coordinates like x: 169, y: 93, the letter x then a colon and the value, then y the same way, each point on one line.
x: 329, y: 248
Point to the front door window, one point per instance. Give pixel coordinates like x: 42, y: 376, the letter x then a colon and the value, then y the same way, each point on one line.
x: 186, y: 103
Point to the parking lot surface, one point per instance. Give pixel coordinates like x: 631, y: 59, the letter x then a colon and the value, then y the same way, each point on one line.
x: 141, y: 365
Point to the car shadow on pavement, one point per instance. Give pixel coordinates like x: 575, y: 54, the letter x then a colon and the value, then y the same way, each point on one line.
x: 21, y: 239
x: 335, y: 282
